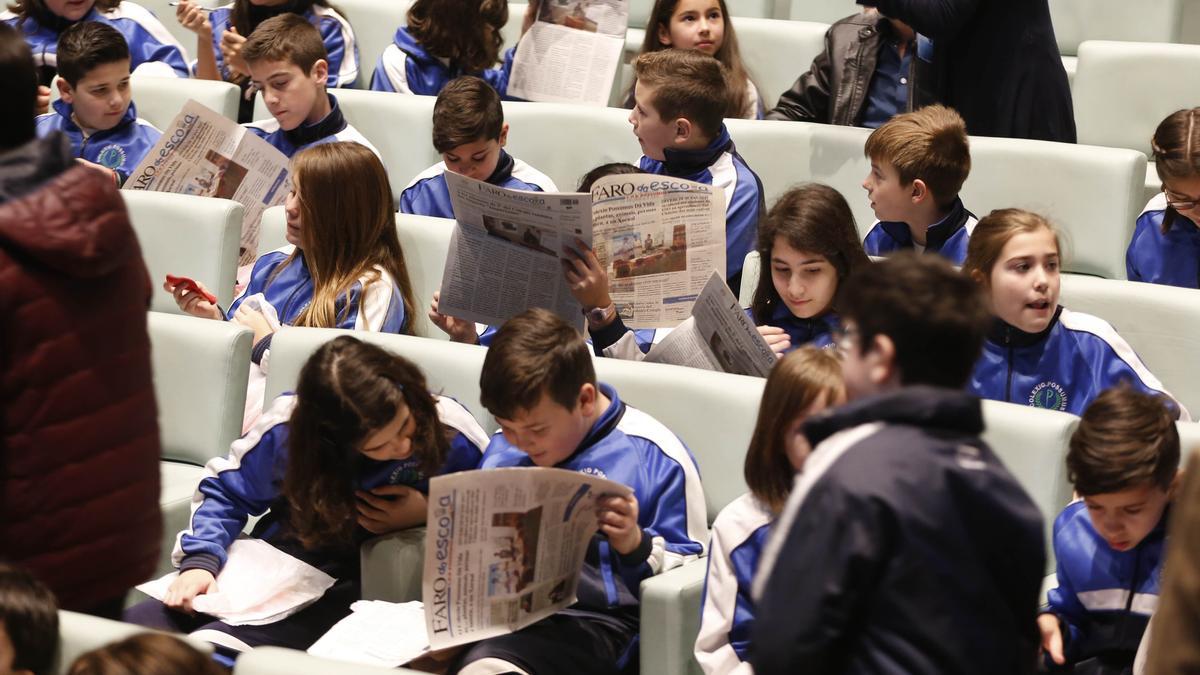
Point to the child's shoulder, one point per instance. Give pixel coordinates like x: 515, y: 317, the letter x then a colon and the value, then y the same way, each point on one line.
x: 742, y: 517
x: 456, y: 416
x: 652, y: 436
x: 529, y: 176
x: 1073, y: 515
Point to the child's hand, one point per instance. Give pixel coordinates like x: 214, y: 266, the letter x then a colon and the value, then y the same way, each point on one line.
x: 43, y: 100
x: 777, y: 339
x: 193, y: 303
x: 231, y: 51
x: 531, y: 12
x: 109, y: 174
x: 389, y: 508
x: 618, y: 521
x: 587, y: 278
x: 187, y: 586
x: 190, y: 16
x: 254, y: 320
x: 457, y: 329
x: 1052, y: 642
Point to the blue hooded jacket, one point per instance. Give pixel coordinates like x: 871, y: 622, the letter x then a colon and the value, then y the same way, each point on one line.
x: 1171, y: 258
x: 120, y: 148
x: 406, y: 68
x: 948, y: 236
x: 427, y: 194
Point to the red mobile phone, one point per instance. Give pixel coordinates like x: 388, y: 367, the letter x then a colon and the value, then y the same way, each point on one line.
x: 191, y: 286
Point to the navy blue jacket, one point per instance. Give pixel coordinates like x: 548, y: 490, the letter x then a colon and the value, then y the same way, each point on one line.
x: 333, y: 127
x: 948, y: 237
x: 120, y: 148
x: 406, y: 68
x: 1172, y: 257
x: 427, y: 194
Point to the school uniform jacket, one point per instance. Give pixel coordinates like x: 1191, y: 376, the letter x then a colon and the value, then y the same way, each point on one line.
x: 948, y: 237
x: 727, y: 609
x: 120, y: 148
x: 1171, y: 258
x: 336, y: 33
x: 720, y: 164
x: 247, y: 482
x: 332, y: 128
x: 1064, y: 367
x: 906, y: 546
x: 1104, y: 597
x: 152, y: 48
x: 406, y: 68
x: 427, y: 194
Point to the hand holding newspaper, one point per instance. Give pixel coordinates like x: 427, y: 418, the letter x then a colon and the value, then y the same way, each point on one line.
x: 571, y: 53
x: 504, y: 548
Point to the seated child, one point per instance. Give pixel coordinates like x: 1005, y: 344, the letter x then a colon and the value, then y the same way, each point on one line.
x: 1165, y: 248
x: 28, y: 624
x: 96, y: 109
x: 872, y: 69
x: 1038, y: 352
x: 539, y: 382
x: 919, y: 161
x: 348, y: 455
x: 287, y: 60
x: 1111, y: 544
x: 803, y: 383
x: 469, y: 132
x: 146, y: 654
x: 678, y: 120
x: 444, y: 39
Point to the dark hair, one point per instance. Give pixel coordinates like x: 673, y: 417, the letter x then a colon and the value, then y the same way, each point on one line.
x: 1125, y: 438
x: 935, y: 316
x: 1176, y: 148
x: 28, y: 613
x: 39, y: 12
x: 687, y: 84
x: 286, y: 37
x: 87, y: 44
x: 347, y: 390
x: 604, y: 171
x: 467, y: 110
x: 930, y: 144
x: 814, y: 218
x: 467, y: 32
x: 145, y: 654
x: 246, y: 17
x: 19, y: 83
x: 536, y: 351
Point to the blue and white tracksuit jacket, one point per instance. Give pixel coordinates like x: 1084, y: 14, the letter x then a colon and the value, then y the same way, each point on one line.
x: 1104, y: 597
x: 120, y: 148
x: 727, y: 611
x: 427, y: 194
x: 947, y: 237
x: 331, y: 129
x: 720, y: 164
x: 247, y: 483
x: 1172, y: 258
x: 406, y: 68
x: 340, y: 46
x: 1064, y: 367
x: 632, y: 448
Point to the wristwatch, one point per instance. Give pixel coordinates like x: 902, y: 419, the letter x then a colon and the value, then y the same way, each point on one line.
x: 599, y: 317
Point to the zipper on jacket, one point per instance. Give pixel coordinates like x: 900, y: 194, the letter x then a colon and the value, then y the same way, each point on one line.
x: 858, y: 92
x: 1008, y: 345
x: 606, y: 572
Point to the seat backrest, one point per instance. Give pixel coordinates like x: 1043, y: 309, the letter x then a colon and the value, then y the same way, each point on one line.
x: 280, y: 661
x: 272, y: 230
x: 1143, y: 21
x: 159, y: 99
x: 1122, y: 90
x: 750, y: 271
x: 1091, y: 194
x: 511, y: 32
x: 81, y: 633
x: 165, y: 13
x: 1189, y: 440
x: 186, y: 236
x: 1161, y: 323
x: 713, y: 413
x: 374, y: 25
x: 827, y: 11
x: 539, y: 133
x: 200, y: 376
x: 778, y: 51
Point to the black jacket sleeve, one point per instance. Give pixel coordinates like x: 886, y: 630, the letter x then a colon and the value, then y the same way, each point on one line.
x: 935, y: 19
x: 809, y: 98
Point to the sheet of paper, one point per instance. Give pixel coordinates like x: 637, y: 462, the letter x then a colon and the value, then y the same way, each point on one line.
x: 376, y: 633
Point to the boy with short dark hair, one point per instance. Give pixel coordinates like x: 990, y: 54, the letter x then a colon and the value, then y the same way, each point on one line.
x: 1110, y: 545
x: 288, y: 63
x: 28, y: 624
x: 919, y: 162
x: 905, y: 545
x: 539, y: 382
x: 469, y: 132
x: 95, y: 107
x: 680, y: 99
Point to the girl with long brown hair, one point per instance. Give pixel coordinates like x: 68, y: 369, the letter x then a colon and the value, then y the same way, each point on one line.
x: 443, y: 40
x: 1165, y: 248
x: 347, y: 456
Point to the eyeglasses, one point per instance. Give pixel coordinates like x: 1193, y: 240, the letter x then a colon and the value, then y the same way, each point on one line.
x: 1180, y: 204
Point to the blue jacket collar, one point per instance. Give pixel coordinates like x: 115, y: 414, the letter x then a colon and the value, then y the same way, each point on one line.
x: 824, y: 323
x: 1006, y: 335
x: 331, y: 124
x: 936, y: 235
x: 918, y: 405
x: 65, y: 110
x: 606, y: 423
x: 684, y: 163
x: 503, y: 170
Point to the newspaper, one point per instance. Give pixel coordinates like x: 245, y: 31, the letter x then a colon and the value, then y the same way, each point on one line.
x: 571, y: 53
x: 204, y: 153
x: 659, y: 238
x: 504, y: 254
x: 718, y: 336
x: 504, y: 548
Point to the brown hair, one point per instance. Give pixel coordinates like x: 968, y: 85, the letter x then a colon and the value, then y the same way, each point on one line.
x: 467, y: 32
x: 929, y: 144
x: 1176, y: 148
x: 39, y: 12
x: 245, y: 24
x: 604, y: 171
x: 814, y: 218
x: 688, y: 84
x: 536, y: 351
x: 467, y: 110
x: 84, y: 45
x: 18, y: 86
x: 287, y: 37
x: 737, y: 76
x: 30, y: 618
x: 145, y: 654
x: 798, y: 381
x: 348, y: 229
x: 347, y: 390
x: 993, y: 232
x: 1125, y: 438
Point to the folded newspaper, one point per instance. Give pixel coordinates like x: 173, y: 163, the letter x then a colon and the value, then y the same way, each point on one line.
x: 207, y: 154
x: 659, y: 238
x: 504, y: 548
x: 572, y: 52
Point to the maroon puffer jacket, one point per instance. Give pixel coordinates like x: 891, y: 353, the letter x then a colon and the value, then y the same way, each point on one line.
x: 79, y: 444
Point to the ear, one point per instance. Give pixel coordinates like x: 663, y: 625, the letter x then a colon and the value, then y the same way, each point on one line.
x: 683, y: 130
x: 1175, y: 483
x: 503, y: 134
x: 977, y: 277
x: 64, y: 90
x: 882, y: 369
x: 320, y: 71
x: 664, y: 35
x: 919, y: 191
x: 587, y: 399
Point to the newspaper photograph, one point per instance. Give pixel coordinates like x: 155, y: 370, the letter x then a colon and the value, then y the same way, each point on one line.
x: 505, y: 251
x: 204, y: 153
x: 717, y: 336
x: 660, y: 238
x: 572, y: 52
x: 504, y: 548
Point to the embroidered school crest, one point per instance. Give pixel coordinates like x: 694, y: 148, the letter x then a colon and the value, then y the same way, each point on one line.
x: 1048, y: 395
x: 111, y: 157
x: 593, y: 471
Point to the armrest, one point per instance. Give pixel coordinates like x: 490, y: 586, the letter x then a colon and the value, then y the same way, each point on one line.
x: 391, y: 566
x: 671, y: 619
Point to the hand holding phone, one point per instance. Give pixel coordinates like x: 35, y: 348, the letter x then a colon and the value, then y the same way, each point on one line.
x: 190, y: 286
